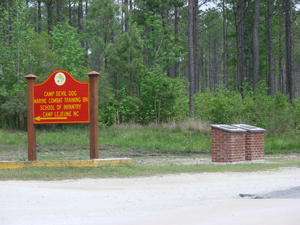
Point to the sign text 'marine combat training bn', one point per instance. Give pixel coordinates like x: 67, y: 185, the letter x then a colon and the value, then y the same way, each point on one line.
x: 61, y: 99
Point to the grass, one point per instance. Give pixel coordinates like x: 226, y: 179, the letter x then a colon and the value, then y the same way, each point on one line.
x: 152, y: 138
x: 156, y: 139
x: 72, y: 143
x: 282, y: 144
x: 136, y: 170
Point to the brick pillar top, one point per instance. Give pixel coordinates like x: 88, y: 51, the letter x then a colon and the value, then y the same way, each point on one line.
x: 228, y: 128
x: 249, y: 128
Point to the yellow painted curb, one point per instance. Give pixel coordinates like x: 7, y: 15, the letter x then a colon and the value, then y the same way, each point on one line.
x: 77, y: 163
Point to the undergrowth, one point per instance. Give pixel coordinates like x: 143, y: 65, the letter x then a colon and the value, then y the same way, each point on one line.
x: 190, y: 136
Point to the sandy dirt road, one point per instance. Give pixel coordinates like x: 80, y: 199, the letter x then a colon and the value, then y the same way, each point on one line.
x: 204, y: 198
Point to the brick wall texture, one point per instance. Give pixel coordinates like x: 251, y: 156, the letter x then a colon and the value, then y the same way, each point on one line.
x: 255, y: 146
x: 227, y: 147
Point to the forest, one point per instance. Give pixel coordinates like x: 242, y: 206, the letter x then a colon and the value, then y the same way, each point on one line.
x: 218, y: 61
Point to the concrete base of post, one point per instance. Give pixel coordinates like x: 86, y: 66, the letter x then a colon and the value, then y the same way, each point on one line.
x: 8, y: 165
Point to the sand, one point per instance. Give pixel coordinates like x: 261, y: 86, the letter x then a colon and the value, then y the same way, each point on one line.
x: 202, y: 198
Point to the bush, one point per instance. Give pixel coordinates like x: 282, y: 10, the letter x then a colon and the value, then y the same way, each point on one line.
x: 257, y: 108
x: 14, y: 111
x: 223, y: 107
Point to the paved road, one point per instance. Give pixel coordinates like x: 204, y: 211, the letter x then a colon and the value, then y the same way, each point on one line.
x: 205, y: 198
x: 291, y: 193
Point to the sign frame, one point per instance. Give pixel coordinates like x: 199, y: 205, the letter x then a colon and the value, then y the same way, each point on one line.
x: 93, y: 113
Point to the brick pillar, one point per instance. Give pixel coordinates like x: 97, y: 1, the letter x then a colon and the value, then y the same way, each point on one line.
x: 227, y: 143
x: 254, y: 142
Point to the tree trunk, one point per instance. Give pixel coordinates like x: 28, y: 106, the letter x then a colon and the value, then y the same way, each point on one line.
x: 248, y: 73
x: 7, y: 24
x: 236, y: 55
x: 280, y: 67
x: 86, y: 7
x: 242, y: 45
x: 75, y: 19
x: 191, y: 59
x: 59, y: 11
x: 55, y: 20
x: 235, y: 72
x: 49, y: 13
x: 80, y: 15
x: 126, y: 15
x: 227, y: 57
x: 166, y: 24
x: 205, y: 75
x: 256, y: 45
x: 224, y: 41
x: 289, y: 50
x: 39, y: 17
x: 275, y: 85
x: 196, y: 48
x: 209, y: 62
x: 176, y: 38
x: 122, y: 17
x: 215, y: 66
x: 270, y: 49
x: 237, y: 77
x: 202, y: 80
x: 70, y: 13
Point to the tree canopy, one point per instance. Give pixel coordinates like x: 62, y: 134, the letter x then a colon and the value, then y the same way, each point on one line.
x: 156, y: 58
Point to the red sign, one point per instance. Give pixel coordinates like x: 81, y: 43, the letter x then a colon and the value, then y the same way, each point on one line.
x: 61, y: 99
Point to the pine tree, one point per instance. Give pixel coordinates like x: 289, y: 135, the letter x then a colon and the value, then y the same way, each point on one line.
x: 290, y: 70
x: 191, y: 58
x: 102, y: 26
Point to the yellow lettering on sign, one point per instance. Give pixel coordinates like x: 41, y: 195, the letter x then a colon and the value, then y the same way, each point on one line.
x: 47, y: 107
x: 62, y: 113
x: 74, y: 106
x: 47, y: 114
x: 48, y: 93
x: 55, y: 100
x: 75, y: 113
x: 61, y: 93
x: 84, y: 99
x: 72, y: 93
x: 40, y: 101
x: 72, y: 100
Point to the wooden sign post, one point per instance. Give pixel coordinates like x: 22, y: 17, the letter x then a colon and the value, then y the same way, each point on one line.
x: 30, y: 125
x: 93, y: 78
x: 62, y: 99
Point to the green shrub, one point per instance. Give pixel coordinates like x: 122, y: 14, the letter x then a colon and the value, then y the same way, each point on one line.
x: 203, y: 103
x: 181, y: 108
x: 14, y: 110
x: 296, y: 114
x: 282, y: 118
x: 257, y: 108
x: 223, y: 107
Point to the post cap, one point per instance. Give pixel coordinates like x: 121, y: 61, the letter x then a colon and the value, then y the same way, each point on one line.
x: 30, y: 76
x: 228, y: 128
x: 249, y: 128
x: 93, y: 73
